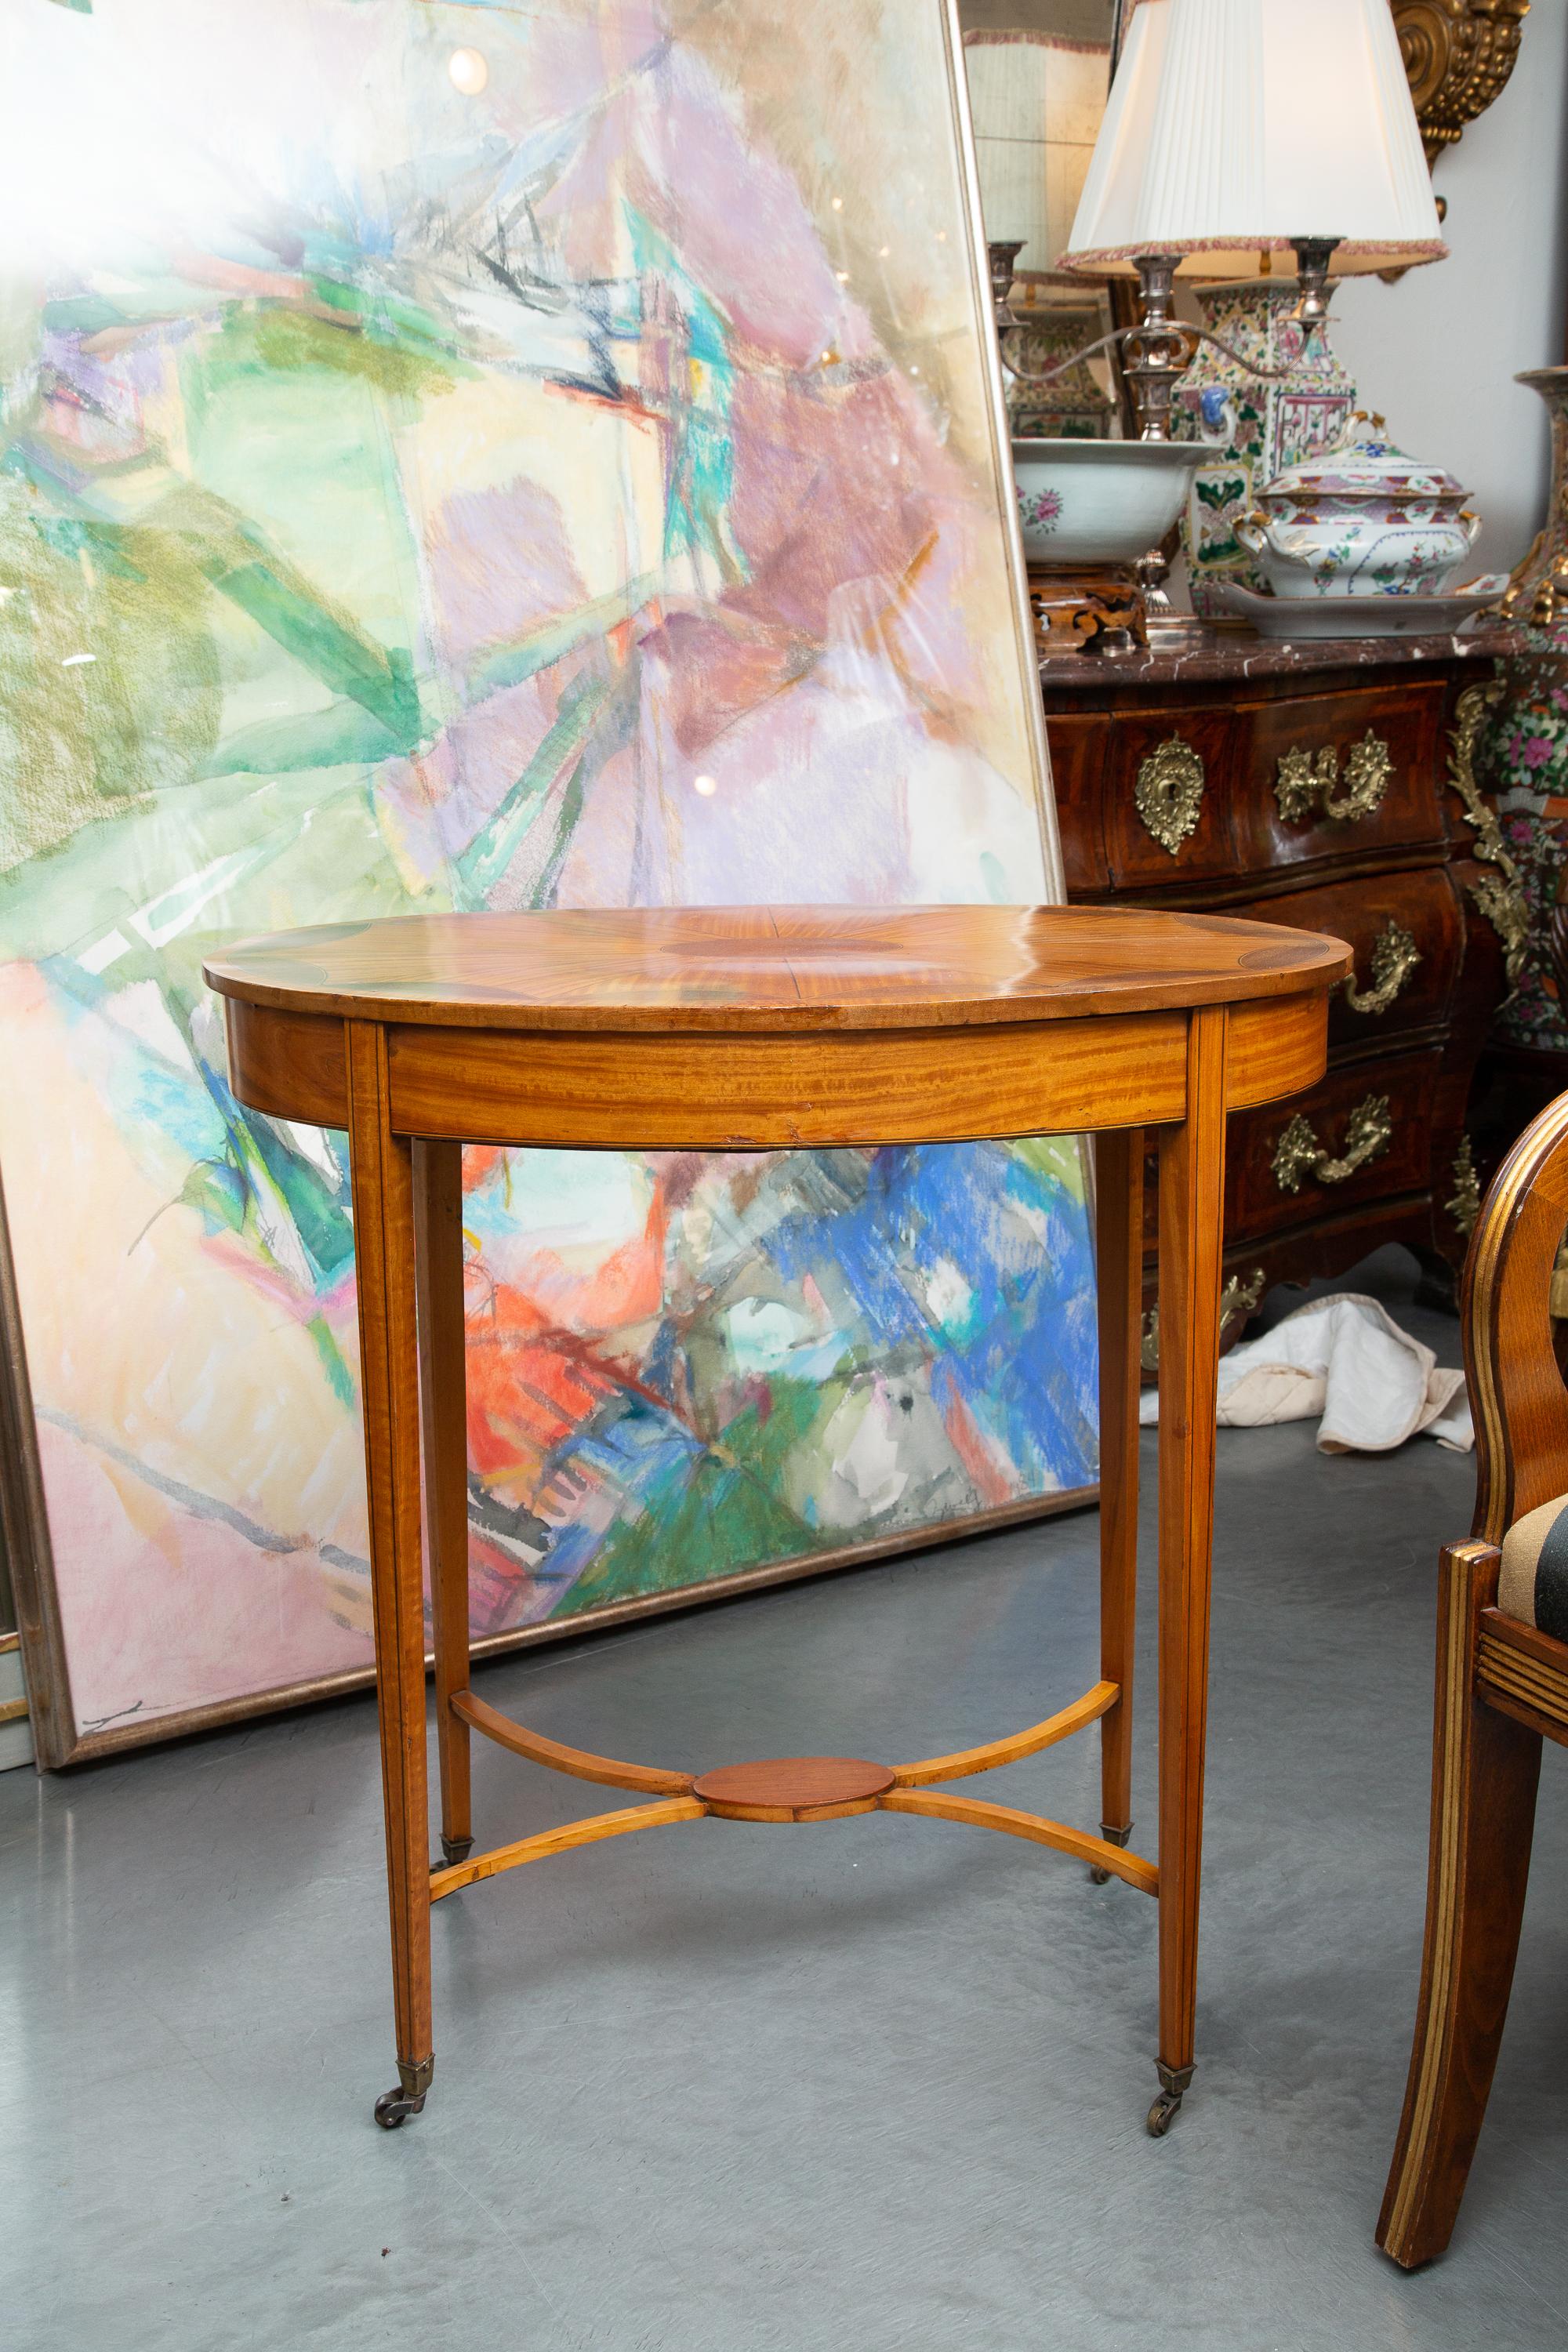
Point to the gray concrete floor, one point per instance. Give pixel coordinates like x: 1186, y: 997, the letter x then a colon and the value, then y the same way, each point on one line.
x: 873, y: 2086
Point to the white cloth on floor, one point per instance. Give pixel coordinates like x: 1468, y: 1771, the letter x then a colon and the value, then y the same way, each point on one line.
x: 1347, y: 1361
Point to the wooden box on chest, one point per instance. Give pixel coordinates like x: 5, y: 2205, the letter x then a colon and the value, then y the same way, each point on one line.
x: 1328, y: 787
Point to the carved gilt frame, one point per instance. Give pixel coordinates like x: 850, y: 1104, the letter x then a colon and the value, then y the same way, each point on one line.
x: 1458, y: 54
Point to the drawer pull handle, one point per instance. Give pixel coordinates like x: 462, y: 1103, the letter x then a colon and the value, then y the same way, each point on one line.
x: 1395, y: 956
x: 1369, y: 1131
x: 1169, y: 792
x: 1466, y: 1204
x: 1240, y: 1297
x: 1306, y: 779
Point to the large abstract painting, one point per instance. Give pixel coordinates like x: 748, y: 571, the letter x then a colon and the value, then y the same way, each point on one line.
x: 540, y: 453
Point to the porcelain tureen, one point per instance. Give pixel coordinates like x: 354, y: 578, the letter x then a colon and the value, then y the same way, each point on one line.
x: 1359, y: 519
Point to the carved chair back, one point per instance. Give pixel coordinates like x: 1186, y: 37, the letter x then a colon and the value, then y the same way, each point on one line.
x: 1517, y: 1390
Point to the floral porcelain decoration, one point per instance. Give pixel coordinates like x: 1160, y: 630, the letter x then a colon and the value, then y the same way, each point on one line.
x: 1252, y: 425
x: 1361, y: 518
x: 1040, y: 510
x: 1098, y: 501
x: 1521, y: 759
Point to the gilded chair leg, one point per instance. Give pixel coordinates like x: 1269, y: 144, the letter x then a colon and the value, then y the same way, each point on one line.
x: 438, y: 1231
x: 1485, y: 1769
x: 1119, y: 1254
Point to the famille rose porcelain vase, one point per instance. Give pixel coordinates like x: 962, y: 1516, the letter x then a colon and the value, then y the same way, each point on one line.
x: 1252, y: 425
x: 1099, y: 501
x: 1073, y: 404
x: 1360, y: 519
x: 1521, y: 754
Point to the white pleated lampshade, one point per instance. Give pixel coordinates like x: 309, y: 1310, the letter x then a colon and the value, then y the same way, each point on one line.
x: 1237, y: 128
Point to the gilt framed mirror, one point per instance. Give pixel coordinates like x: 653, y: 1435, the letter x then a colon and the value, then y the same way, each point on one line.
x: 1039, y: 73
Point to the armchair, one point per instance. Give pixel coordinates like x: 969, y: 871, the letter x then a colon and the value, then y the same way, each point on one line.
x: 1502, y: 1686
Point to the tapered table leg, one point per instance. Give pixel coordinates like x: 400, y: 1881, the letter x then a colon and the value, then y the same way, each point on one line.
x: 1192, y: 1199
x: 1118, y: 1255
x: 438, y: 1236
x: 383, y: 1179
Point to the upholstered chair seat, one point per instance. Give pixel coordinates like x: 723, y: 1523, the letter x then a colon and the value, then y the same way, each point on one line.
x: 1532, y: 1582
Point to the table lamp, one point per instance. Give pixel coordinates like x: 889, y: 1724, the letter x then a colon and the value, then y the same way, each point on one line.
x: 1237, y: 130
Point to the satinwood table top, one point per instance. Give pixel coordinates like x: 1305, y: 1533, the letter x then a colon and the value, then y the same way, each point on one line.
x: 774, y: 968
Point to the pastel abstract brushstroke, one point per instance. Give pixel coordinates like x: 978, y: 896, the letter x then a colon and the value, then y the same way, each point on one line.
x: 578, y: 492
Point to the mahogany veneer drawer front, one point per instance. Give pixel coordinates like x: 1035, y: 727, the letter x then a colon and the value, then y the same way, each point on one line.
x: 1178, y: 796
x: 1165, y: 793
x: 1314, y: 786
x: 1361, y: 1134
x: 1407, y: 932
x: 1357, y: 1137
x: 1077, y: 784
x: 1335, y: 776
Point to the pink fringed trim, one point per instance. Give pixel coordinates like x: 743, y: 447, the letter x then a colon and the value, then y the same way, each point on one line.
x: 1405, y: 256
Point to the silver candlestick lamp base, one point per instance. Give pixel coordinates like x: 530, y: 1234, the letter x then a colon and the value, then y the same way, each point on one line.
x: 1156, y: 354
x: 1313, y: 255
x: 1158, y: 351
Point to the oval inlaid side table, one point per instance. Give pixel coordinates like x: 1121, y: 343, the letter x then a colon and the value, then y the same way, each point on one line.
x: 771, y: 1028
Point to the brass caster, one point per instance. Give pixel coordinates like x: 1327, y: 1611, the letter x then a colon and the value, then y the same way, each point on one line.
x: 456, y: 1849
x: 1174, y: 2081
x: 1162, y: 2114
x: 391, y: 2108
x: 395, y: 2107
x: 1096, y: 1876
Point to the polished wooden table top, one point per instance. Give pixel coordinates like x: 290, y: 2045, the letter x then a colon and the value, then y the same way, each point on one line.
x: 774, y: 968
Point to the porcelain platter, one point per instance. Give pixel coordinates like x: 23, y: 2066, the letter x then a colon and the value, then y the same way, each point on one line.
x: 1358, y: 616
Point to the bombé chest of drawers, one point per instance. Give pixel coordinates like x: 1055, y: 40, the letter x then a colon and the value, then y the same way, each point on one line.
x: 1330, y: 787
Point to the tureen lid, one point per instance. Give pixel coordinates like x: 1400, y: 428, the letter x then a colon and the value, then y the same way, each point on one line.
x: 1364, y: 459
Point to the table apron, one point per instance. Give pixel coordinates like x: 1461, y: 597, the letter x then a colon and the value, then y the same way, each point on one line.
x: 774, y: 1091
